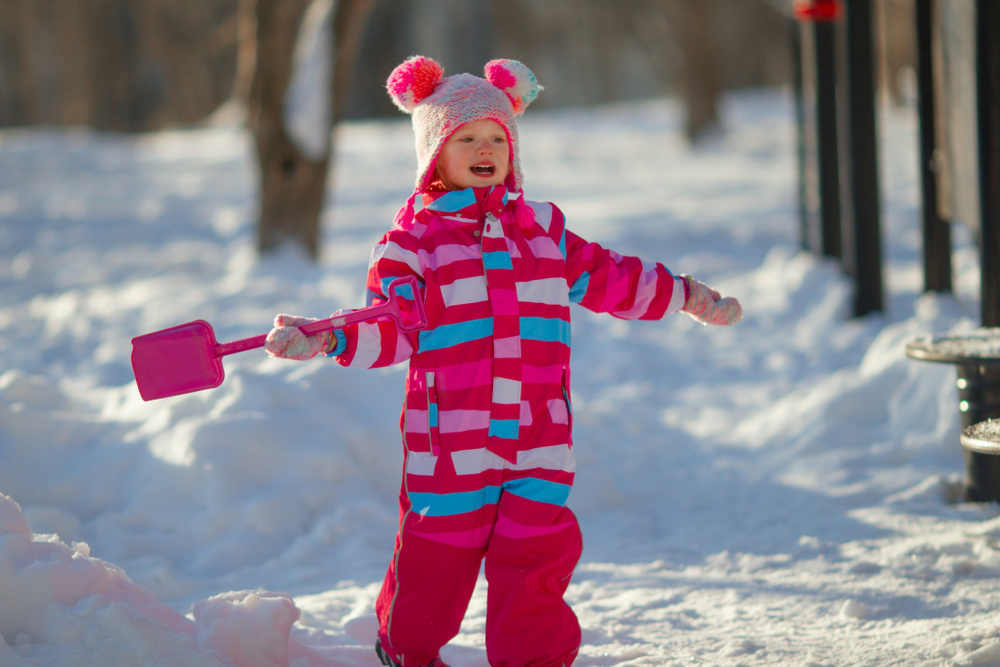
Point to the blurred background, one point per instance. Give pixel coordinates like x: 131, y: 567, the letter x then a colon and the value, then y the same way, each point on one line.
x: 141, y: 65
x: 290, y: 70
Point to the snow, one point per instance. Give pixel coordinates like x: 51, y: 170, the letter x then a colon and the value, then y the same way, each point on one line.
x: 784, y: 492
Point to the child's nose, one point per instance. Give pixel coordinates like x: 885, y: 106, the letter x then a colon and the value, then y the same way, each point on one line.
x: 485, y: 146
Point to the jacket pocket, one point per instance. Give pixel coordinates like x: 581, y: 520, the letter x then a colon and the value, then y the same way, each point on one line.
x: 433, y: 430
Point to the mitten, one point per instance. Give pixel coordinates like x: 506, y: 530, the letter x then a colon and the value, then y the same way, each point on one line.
x: 286, y: 341
x: 708, y: 307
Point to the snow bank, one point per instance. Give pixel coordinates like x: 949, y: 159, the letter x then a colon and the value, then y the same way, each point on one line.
x: 784, y: 492
x: 63, y: 607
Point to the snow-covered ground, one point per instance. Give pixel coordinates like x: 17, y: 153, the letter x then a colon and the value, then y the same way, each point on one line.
x: 778, y: 493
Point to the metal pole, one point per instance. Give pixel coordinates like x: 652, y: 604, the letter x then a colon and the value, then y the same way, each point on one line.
x: 863, y: 232
x: 988, y: 110
x: 826, y: 140
x: 937, y: 232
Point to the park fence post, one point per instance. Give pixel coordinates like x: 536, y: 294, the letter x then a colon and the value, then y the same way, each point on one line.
x: 988, y: 111
x: 936, y: 231
x: 815, y: 41
x: 863, y: 251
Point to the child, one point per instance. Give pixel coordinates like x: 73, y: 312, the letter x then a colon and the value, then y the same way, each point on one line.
x: 488, y: 460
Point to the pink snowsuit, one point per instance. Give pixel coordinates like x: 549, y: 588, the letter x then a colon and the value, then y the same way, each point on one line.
x: 488, y: 459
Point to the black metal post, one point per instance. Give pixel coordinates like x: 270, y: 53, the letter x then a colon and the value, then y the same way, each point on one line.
x: 862, y: 234
x: 827, y: 158
x: 937, y: 232
x: 988, y: 110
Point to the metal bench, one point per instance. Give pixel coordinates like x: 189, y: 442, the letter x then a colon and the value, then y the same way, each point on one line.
x: 976, y: 356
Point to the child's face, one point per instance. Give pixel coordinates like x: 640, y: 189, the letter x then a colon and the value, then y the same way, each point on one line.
x: 477, y: 154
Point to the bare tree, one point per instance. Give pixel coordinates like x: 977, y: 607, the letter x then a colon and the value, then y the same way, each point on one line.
x: 292, y: 178
x: 700, y: 85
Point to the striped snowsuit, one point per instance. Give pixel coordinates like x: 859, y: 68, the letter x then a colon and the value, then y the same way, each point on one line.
x: 486, y: 422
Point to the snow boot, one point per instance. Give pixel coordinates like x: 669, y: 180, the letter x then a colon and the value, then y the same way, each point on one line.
x: 389, y: 662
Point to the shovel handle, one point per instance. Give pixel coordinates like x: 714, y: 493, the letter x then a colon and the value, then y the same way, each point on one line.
x: 389, y: 309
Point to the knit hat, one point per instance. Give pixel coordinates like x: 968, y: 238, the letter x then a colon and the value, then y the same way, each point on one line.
x: 440, y: 105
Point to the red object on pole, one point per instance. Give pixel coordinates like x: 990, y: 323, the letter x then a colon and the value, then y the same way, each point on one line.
x: 818, y: 10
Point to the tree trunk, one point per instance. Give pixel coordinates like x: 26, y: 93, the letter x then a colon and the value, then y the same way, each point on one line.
x: 701, y: 80
x: 293, y: 184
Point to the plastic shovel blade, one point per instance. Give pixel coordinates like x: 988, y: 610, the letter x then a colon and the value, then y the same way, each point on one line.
x: 175, y: 361
x: 187, y: 358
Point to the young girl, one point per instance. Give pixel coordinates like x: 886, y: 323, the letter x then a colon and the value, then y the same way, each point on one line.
x: 488, y: 459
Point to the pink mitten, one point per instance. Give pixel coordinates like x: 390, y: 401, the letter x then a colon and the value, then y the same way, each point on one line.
x: 287, y: 342
x: 708, y: 307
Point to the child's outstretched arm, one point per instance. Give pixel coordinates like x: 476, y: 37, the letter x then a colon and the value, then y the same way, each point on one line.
x: 630, y: 288
x: 708, y: 306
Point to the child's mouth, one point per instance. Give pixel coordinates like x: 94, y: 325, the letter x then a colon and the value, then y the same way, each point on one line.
x: 483, y: 169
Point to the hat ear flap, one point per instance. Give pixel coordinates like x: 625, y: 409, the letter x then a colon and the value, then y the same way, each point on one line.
x: 413, y: 81
x: 515, y: 80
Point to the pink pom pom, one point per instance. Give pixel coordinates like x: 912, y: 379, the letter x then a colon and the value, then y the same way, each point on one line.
x: 514, y: 79
x: 500, y: 76
x: 413, y: 81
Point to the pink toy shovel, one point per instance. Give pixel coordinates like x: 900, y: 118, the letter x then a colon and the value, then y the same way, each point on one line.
x: 187, y: 358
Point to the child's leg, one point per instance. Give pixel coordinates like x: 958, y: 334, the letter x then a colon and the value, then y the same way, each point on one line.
x: 424, y: 597
x: 431, y: 580
x: 531, y: 557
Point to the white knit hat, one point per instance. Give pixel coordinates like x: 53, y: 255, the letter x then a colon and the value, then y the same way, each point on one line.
x: 440, y: 105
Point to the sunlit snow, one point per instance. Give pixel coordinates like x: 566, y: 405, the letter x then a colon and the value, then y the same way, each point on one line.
x: 777, y: 493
